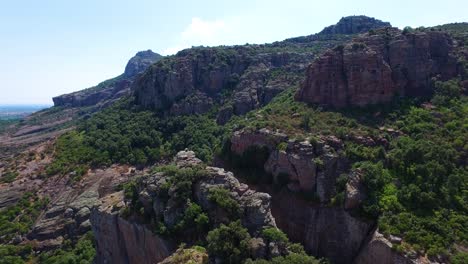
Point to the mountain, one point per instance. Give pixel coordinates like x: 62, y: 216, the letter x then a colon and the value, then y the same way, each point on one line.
x: 112, y: 89
x: 353, y: 25
x: 346, y: 146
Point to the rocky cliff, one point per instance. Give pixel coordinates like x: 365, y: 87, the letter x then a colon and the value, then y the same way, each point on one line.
x: 122, y: 241
x: 308, y: 169
x: 161, y: 198
x: 112, y: 89
x: 240, y: 78
x: 378, y: 65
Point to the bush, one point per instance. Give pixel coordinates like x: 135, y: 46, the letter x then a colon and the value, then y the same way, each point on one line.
x: 272, y: 234
x: 82, y: 252
x: 229, y: 243
x: 223, y: 199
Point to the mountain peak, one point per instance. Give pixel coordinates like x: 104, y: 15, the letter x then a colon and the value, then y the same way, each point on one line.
x: 353, y: 25
x: 141, y: 61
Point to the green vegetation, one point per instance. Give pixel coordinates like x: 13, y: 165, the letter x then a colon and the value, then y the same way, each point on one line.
x: 18, y: 219
x: 193, y: 255
x: 123, y: 134
x: 223, y: 199
x: 181, y: 181
x: 229, y: 242
x: 8, y: 176
x: 11, y: 254
x: 417, y: 186
x: 292, y: 258
x: 82, y: 252
x: 4, y: 124
x: 272, y: 234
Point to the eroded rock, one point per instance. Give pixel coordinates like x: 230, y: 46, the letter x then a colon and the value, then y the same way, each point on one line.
x: 374, y: 67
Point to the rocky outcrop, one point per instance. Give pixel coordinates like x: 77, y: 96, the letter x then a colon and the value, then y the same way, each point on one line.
x: 67, y: 216
x: 112, y: 89
x: 310, y: 168
x: 353, y: 25
x: 305, y: 166
x: 121, y: 241
x: 355, y: 190
x: 140, y: 62
x: 329, y: 232
x: 379, y: 250
x: 195, y: 80
x: 187, y: 255
x: 376, y: 66
x: 129, y: 241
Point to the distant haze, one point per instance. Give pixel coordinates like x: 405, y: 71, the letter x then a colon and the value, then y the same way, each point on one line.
x: 19, y: 111
x: 52, y: 47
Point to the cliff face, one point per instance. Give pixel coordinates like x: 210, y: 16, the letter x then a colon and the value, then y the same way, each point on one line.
x: 112, y: 89
x: 121, y: 241
x: 240, y: 77
x: 311, y: 169
x: 375, y: 67
x: 129, y: 240
x: 329, y: 232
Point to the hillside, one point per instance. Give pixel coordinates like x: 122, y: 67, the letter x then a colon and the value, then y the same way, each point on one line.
x: 346, y: 146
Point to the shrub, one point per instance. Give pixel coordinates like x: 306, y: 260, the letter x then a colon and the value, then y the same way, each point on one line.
x: 223, y: 199
x: 9, y: 177
x: 229, y: 243
x: 272, y: 234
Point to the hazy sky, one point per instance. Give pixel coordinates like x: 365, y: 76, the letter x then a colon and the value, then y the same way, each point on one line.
x: 48, y: 47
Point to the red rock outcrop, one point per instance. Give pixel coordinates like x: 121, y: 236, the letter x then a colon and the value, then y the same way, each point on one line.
x: 121, y: 241
x: 375, y: 67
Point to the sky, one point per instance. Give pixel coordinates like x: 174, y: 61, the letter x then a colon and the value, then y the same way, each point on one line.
x: 52, y: 47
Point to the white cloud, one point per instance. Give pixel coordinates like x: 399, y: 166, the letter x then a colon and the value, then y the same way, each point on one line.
x: 199, y: 32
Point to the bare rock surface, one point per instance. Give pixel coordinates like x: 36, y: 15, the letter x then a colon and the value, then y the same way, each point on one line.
x: 379, y: 250
x: 374, y: 67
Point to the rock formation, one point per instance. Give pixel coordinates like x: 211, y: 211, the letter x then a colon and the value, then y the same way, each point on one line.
x: 121, y: 241
x: 376, y: 66
x: 379, y: 250
x: 311, y: 169
x: 130, y: 241
x: 329, y: 232
x: 112, y: 89
x: 140, y: 62
x: 353, y: 25
x: 195, y: 80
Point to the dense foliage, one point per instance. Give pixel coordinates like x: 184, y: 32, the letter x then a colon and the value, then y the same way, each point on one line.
x: 222, y: 198
x: 11, y: 254
x: 82, y: 252
x: 123, y: 134
x: 422, y: 192
x: 229, y: 242
x: 19, y: 218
